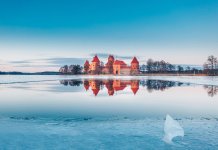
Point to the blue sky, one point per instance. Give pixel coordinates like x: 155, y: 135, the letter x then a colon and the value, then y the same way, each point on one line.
x: 41, y: 35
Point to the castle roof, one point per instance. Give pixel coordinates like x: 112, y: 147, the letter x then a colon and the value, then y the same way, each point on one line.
x: 134, y: 61
x: 134, y: 90
x: 110, y: 57
x: 119, y: 62
x: 87, y: 62
x: 95, y: 59
x: 86, y: 86
x: 95, y: 91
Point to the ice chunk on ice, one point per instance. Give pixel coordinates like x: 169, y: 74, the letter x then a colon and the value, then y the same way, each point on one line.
x: 172, y: 129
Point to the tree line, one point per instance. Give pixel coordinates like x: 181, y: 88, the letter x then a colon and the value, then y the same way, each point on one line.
x: 162, y: 66
x: 211, y: 65
x: 72, y: 69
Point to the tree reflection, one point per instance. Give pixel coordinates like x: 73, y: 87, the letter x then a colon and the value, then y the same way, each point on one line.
x: 160, y: 85
x: 212, y: 90
x: 71, y: 82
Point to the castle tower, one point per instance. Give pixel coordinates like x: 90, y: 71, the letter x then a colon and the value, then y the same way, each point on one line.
x: 86, y: 67
x: 110, y: 63
x: 134, y: 66
x: 111, y: 58
x: 95, y: 65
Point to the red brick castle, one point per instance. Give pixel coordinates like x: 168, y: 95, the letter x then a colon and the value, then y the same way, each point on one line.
x: 116, y: 67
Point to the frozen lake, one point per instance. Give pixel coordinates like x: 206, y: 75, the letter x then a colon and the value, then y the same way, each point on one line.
x: 107, y: 112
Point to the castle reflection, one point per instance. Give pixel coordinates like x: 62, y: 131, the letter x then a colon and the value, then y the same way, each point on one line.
x: 97, y: 85
x: 114, y: 85
x: 111, y: 85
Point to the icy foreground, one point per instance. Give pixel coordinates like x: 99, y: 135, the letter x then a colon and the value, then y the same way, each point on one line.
x: 103, y: 133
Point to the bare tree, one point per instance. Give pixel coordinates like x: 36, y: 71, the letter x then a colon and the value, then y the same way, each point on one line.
x: 212, y: 62
x: 159, y: 66
x: 188, y: 69
x: 211, y: 66
x: 64, y: 69
x: 150, y: 63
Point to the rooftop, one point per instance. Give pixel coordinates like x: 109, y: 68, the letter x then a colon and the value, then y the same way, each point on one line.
x: 119, y: 62
x: 134, y: 60
x: 96, y: 59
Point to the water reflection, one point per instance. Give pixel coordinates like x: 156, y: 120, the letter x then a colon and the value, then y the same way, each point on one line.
x: 71, y: 82
x: 211, y: 90
x: 160, y: 85
x: 111, y: 85
x: 114, y: 85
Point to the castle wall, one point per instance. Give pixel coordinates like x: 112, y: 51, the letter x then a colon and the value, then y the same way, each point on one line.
x: 105, y: 70
x: 125, y: 71
x: 116, y: 69
x: 94, y: 66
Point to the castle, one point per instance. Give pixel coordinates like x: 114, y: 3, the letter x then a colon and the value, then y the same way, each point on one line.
x: 116, y: 67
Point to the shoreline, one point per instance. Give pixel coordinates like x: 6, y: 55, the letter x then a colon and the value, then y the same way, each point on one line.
x: 148, y: 74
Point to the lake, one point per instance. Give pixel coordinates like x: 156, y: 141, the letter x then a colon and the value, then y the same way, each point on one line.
x: 108, y: 112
